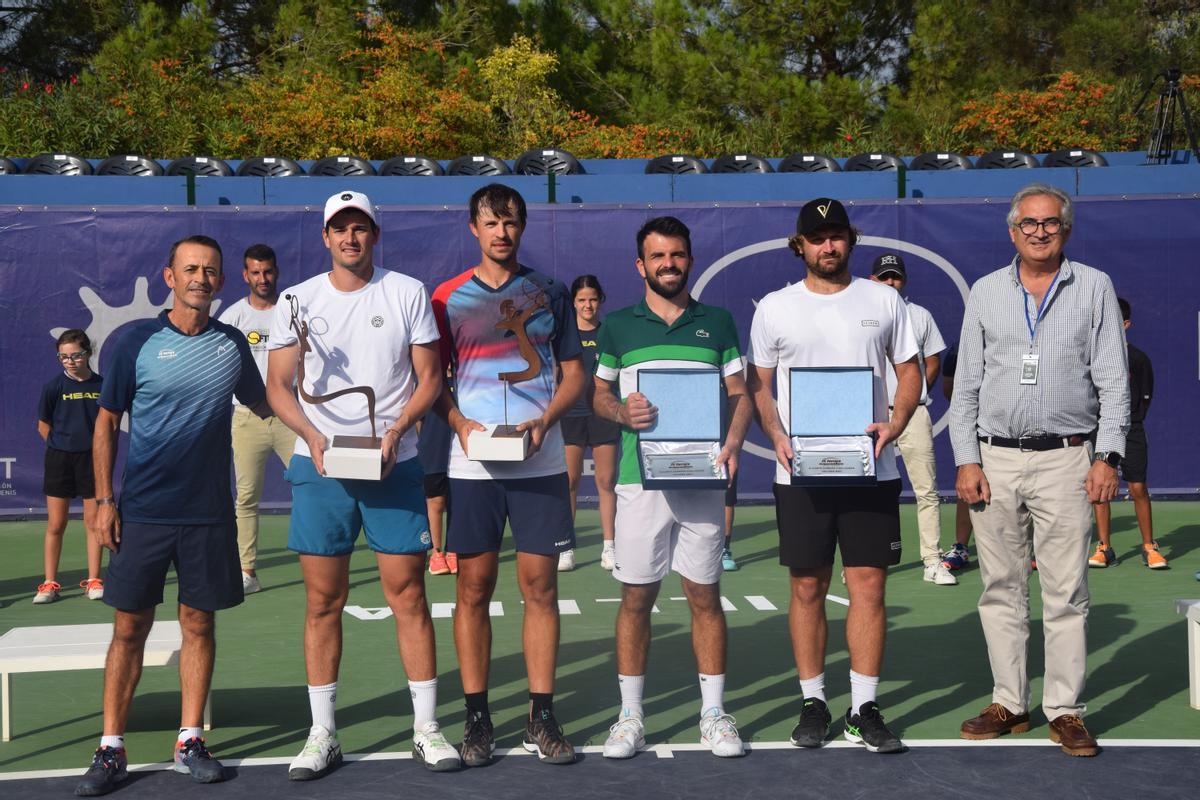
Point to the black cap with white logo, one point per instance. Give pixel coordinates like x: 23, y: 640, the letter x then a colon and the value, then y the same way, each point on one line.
x: 889, y: 263
x: 821, y: 213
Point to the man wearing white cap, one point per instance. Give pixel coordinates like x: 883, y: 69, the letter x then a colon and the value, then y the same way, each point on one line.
x: 366, y: 327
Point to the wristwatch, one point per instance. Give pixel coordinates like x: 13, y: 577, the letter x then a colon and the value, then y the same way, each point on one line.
x: 1110, y: 457
x: 106, y: 501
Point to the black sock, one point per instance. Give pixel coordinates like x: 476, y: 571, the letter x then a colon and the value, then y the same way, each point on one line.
x: 477, y: 703
x: 541, y: 704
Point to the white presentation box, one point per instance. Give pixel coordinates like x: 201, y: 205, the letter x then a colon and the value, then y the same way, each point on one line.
x: 498, y: 443
x: 680, y: 450
x: 831, y: 408
x: 355, y: 458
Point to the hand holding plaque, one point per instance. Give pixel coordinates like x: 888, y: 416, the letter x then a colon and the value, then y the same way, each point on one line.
x: 357, y: 457
x: 831, y: 409
x: 681, y: 448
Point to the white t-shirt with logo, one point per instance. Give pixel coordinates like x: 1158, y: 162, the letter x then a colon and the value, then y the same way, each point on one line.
x: 864, y: 325
x: 929, y: 343
x: 359, y: 338
x: 255, y: 325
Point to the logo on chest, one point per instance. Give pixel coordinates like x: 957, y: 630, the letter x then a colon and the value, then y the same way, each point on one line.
x: 377, y: 321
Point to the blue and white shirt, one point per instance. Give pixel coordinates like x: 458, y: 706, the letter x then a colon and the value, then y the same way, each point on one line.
x: 177, y: 390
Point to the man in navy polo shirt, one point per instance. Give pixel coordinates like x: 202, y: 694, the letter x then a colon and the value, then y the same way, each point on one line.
x: 175, y: 376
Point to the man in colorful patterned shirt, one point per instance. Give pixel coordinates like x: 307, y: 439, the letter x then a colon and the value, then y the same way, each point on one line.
x: 658, y: 530
x: 503, y: 317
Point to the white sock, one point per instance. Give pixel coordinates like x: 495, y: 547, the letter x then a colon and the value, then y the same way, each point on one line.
x: 190, y: 733
x: 112, y: 741
x: 321, y: 700
x: 424, y: 700
x: 863, y: 689
x: 632, y: 687
x: 813, y: 688
x: 712, y: 693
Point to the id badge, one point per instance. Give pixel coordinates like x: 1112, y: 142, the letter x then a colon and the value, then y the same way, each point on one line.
x: 1029, y: 369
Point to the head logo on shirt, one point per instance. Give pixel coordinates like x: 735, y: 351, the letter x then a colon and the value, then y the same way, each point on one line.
x: 377, y: 321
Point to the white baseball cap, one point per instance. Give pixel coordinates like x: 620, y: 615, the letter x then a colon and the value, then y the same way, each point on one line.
x: 343, y: 200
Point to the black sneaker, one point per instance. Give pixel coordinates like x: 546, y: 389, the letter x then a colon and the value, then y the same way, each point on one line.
x: 813, y: 728
x: 867, y: 728
x: 109, y: 767
x: 544, y: 736
x: 192, y: 758
x: 478, y: 741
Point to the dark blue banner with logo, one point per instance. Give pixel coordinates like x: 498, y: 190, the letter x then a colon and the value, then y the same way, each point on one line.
x: 102, y: 269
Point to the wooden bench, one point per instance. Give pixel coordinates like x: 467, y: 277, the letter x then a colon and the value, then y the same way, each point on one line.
x: 1191, y: 610
x: 53, y: 648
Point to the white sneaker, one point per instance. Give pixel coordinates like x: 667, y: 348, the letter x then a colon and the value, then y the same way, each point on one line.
x: 566, y: 561
x: 625, y: 738
x: 321, y: 753
x: 939, y: 575
x: 608, y: 556
x: 719, y: 732
x: 250, y: 583
x: 431, y: 749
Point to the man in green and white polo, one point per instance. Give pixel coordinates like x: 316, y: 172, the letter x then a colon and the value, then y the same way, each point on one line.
x: 679, y: 529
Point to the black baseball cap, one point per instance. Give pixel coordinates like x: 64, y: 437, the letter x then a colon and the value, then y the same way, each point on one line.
x: 889, y: 262
x: 820, y: 213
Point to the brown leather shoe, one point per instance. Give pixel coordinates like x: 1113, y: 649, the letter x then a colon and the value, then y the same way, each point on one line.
x: 1069, y: 732
x: 993, y: 721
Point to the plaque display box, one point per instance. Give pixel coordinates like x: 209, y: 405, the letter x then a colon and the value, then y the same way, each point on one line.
x: 354, y: 457
x: 830, y: 410
x: 680, y: 450
x: 498, y: 443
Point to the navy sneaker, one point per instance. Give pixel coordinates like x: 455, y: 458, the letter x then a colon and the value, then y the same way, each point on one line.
x: 959, y: 557
x: 867, y: 728
x: 109, y: 767
x: 192, y: 758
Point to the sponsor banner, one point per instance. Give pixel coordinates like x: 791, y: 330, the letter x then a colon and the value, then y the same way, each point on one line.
x: 101, y: 269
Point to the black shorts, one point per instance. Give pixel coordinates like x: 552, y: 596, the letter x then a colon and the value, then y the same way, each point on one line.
x: 731, y: 492
x: 205, y: 558
x: 68, y: 474
x: 1136, y: 460
x: 436, y: 484
x: 861, y: 521
x: 589, y: 431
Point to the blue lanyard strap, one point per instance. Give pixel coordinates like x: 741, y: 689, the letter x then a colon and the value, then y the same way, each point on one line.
x: 1032, y: 324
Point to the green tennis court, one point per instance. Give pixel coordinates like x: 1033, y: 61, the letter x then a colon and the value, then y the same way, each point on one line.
x: 935, y: 673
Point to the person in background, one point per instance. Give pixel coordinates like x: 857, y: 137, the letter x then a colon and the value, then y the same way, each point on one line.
x: 66, y: 420
x: 582, y: 428
x: 1133, y: 466
x: 433, y: 449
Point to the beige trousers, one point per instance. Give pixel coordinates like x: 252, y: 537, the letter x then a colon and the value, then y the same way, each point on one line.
x: 253, y: 441
x: 1049, y: 486
x: 916, y: 448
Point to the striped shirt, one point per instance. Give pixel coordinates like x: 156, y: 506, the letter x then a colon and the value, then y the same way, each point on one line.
x: 1082, y: 381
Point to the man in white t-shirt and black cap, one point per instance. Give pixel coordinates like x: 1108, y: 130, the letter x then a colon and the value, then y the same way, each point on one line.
x: 365, y: 327
x: 916, y: 443
x: 833, y: 320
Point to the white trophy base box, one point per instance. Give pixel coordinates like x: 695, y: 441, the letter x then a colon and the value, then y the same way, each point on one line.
x: 355, y: 458
x: 833, y: 460
x: 681, y: 465
x: 498, y: 443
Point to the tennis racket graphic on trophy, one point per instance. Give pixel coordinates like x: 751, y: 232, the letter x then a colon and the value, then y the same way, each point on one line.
x: 347, y: 456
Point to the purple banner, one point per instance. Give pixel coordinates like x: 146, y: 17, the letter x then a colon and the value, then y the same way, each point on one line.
x: 101, y: 269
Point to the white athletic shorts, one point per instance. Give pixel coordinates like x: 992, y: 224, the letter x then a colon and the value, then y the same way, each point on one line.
x: 671, y: 529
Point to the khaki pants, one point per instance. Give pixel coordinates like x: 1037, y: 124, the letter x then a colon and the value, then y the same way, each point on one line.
x: 916, y: 448
x: 1050, y: 486
x: 253, y: 441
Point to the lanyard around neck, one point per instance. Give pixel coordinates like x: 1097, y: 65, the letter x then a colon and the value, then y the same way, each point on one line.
x: 1033, y: 323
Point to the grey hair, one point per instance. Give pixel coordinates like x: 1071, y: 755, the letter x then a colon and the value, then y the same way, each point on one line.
x: 1068, y: 211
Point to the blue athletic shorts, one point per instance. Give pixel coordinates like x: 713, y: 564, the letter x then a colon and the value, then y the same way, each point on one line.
x: 327, y: 513
x: 538, y: 509
x: 205, y: 558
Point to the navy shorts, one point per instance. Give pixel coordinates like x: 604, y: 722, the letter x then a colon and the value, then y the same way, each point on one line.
x: 1137, y: 455
x: 538, y: 509
x: 328, y: 513
x: 68, y: 474
x: 861, y: 521
x: 205, y: 558
x: 590, y: 431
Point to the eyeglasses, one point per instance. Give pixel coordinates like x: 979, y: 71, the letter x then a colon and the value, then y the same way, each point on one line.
x: 1051, y: 225
x: 80, y: 356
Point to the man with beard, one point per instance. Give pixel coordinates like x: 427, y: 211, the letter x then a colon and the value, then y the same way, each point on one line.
x: 255, y: 439
x: 500, y: 317
x: 833, y: 320
x: 679, y: 529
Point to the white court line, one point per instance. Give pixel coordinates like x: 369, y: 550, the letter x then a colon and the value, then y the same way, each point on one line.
x: 760, y: 603
x: 653, y: 608
x: 840, y: 600
x: 727, y: 604
x: 660, y: 750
